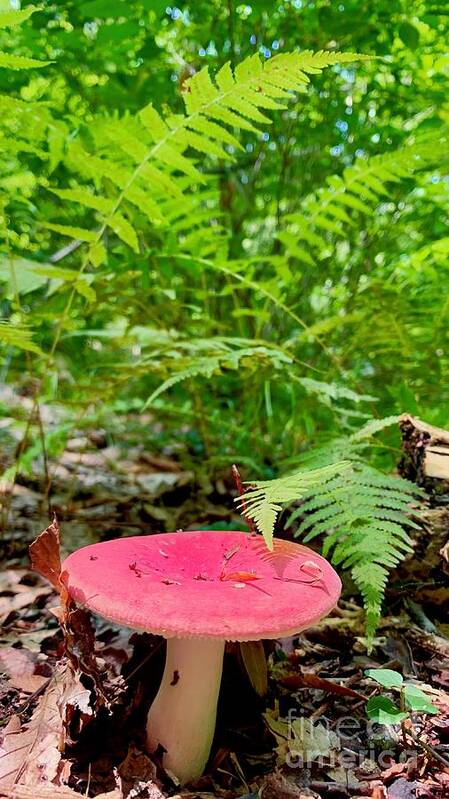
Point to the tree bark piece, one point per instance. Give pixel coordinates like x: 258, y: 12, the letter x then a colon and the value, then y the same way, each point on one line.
x: 426, y: 454
x: 426, y: 462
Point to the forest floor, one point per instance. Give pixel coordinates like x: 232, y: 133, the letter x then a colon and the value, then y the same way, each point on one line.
x: 73, y: 697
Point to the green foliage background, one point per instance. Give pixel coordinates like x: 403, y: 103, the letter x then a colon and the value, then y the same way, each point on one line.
x: 260, y: 261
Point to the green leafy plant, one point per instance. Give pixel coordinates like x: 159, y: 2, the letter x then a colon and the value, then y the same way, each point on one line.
x: 9, y: 19
x: 411, y: 698
x: 248, y: 242
x: 360, y: 188
x: 362, y: 513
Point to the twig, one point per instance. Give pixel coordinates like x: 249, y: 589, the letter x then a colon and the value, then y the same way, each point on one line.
x: 420, y: 617
x: 45, y: 459
x: 65, y: 251
x: 428, y: 748
x: 241, y: 491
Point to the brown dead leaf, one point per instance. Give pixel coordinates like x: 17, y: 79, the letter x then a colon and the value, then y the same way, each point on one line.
x: 255, y: 662
x: 136, y: 769
x: 45, y: 554
x: 28, y: 683
x: 23, y: 596
x: 80, y: 644
x: 16, y: 662
x: 393, y: 771
x: 32, y: 754
x: 277, y: 786
x: 405, y: 789
x: 313, y: 681
x: 9, y: 578
x: 45, y: 791
x: 442, y: 678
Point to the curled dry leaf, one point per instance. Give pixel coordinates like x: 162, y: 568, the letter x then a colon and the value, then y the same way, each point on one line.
x: 255, y: 662
x: 31, y: 755
x: 137, y: 776
x: 45, y: 554
x: 79, y: 637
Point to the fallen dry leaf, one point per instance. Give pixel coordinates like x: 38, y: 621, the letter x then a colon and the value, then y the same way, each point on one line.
x: 136, y: 767
x: 32, y: 754
x: 393, y: 771
x: 16, y: 662
x: 45, y: 554
x: 28, y: 683
x: 298, y: 740
x: 255, y: 662
x: 137, y: 774
x: 45, y: 791
x: 9, y: 578
x: 313, y: 681
x: 277, y: 786
x: 23, y: 596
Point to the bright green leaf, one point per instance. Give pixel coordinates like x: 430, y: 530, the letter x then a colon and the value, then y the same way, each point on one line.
x: 416, y: 699
x: 384, y: 711
x: 385, y: 677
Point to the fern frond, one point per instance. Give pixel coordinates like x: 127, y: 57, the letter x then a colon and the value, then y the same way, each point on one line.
x: 329, y: 212
x: 282, y: 554
x: 155, y: 156
x: 17, y: 335
x: 363, y: 513
x: 212, y: 356
x: 72, y: 232
x: 374, y: 426
x: 9, y: 19
x: 264, y: 500
x: 9, y: 61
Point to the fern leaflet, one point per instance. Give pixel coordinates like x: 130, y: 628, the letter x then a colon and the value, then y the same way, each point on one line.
x: 263, y: 501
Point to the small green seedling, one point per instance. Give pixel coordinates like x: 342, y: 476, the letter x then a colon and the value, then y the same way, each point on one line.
x: 411, y: 699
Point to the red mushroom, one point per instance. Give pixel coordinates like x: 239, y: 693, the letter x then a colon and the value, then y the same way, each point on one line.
x: 198, y: 590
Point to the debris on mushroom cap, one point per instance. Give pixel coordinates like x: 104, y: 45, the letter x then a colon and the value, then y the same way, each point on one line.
x: 184, y: 584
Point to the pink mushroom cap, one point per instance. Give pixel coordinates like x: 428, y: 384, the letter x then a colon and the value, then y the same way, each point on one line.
x: 203, y: 584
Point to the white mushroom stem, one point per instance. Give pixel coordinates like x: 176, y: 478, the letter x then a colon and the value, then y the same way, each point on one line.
x: 183, y: 714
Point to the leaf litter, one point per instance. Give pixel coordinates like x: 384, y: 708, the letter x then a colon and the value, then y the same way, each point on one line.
x: 73, y: 699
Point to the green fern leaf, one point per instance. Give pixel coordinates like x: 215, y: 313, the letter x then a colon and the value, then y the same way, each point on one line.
x: 124, y: 230
x: 72, y: 232
x: 322, y: 215
x: 121, y: 136
x: 364, y: 514
x: 85, y: 198
x: 20, y: 62
x: 17, y: 335
x: 153, y: 122
x: 213, y: 131
x: 263, y: 501
x: 10, y: 18
x: 177, y: 161
x: 375, y: 426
